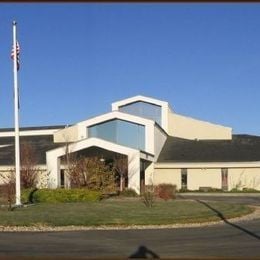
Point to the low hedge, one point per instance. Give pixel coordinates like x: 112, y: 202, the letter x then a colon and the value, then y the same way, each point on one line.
x: 27, y: 195
x: 128, y: 192
x: 59, y: 195
x: 166, y: 191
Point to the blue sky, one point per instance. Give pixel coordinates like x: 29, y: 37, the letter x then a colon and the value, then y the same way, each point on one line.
x: 76, y: 59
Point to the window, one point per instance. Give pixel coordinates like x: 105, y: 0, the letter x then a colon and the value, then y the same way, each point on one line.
x: 62, y: 178
x: 224, y: 179
x: 184, y: 178
x: 143, y: 109
x: 120, y: 132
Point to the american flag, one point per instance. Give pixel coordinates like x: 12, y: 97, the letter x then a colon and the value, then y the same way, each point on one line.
x: 17, y: 54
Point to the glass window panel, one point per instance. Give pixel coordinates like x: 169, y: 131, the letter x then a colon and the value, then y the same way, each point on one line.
x: 107, y: 131
x: 143, y: 109
x: 120, y: 132
x: 184, y: 178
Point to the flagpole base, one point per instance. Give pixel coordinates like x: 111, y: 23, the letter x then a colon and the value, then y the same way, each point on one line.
x: 15, y: 206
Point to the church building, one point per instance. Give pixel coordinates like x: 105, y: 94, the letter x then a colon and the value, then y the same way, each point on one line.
x: 161, y: 146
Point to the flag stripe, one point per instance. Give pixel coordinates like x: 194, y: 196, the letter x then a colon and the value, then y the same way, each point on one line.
x: 17, y: 54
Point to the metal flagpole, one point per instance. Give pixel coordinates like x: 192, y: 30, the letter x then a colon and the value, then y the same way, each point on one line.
x: 16, y: 121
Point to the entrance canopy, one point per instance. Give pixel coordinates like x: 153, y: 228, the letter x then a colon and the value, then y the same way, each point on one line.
x: 133, y: 158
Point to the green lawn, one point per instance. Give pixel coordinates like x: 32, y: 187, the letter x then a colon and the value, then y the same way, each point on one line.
x: 119, y: 212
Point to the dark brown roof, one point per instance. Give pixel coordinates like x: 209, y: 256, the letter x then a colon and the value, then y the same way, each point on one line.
x: 242, y: 148
x: 40, y: 145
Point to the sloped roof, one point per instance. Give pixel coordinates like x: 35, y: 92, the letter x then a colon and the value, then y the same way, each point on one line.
x: 242, y: 148
x: 34, y: 128
x: 39, y: 143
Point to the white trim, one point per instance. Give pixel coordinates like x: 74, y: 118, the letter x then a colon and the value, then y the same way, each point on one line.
x: 8, y: 168
x: 117, y: 104
x: 30, y: 132
x: 90, y: 142
x: 198, y: 165
x: 53, y: 159
x: 5, y: 145
x: 113, y: 115
x: 163, y: 104
x: 149, y: 126
x: 147, y: 157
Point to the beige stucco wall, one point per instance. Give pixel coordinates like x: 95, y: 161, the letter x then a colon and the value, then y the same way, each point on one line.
x: 172, y: 176
x: 69, y: 134
x: 244, y: 178
x: 197, y: 178
x: 185, y: 127
x: 238, y: 177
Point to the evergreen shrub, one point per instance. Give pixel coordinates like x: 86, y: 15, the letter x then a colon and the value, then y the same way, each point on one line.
x: 60, y: 195
x: 128, y: 192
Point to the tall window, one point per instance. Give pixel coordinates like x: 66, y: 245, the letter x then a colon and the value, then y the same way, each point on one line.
x: 62, y: 178
x: 143, y: 109
x: 224, y: 179
x: 184, y: 178
x: 120, y: 132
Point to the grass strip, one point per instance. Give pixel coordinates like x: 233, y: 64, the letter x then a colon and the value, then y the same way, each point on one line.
x: 120, y: 213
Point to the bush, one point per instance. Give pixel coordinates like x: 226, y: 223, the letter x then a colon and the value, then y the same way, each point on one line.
x: 61, y: 195
x: 166, y: 191
x: 7, y: 191
x: 128, y: 193
x: 244, y: 190
x: 209, y: 189
x: 148, y: 198
x: 27, y: 195
x: 184, y: 190
x: 250, y: 190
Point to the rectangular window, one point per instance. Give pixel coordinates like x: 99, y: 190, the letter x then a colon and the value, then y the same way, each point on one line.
x: 143, y: 109
x: 120, y: 132
x: 184, y: 178
x: 224, y: 179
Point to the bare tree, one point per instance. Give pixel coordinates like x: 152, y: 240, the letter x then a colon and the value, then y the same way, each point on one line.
x: 28, y: 174
x: 121, y: 168
x: 29, y: 169
x: 91, y: 173
x: 7, y: 189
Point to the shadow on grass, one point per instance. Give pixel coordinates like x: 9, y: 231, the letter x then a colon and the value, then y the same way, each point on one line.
x: 31, y: 198
x: 221, y: 216
x: 143, y: 252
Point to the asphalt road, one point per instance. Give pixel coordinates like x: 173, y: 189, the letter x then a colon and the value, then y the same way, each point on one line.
x: 241, y: 239
x: 248, y: 200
